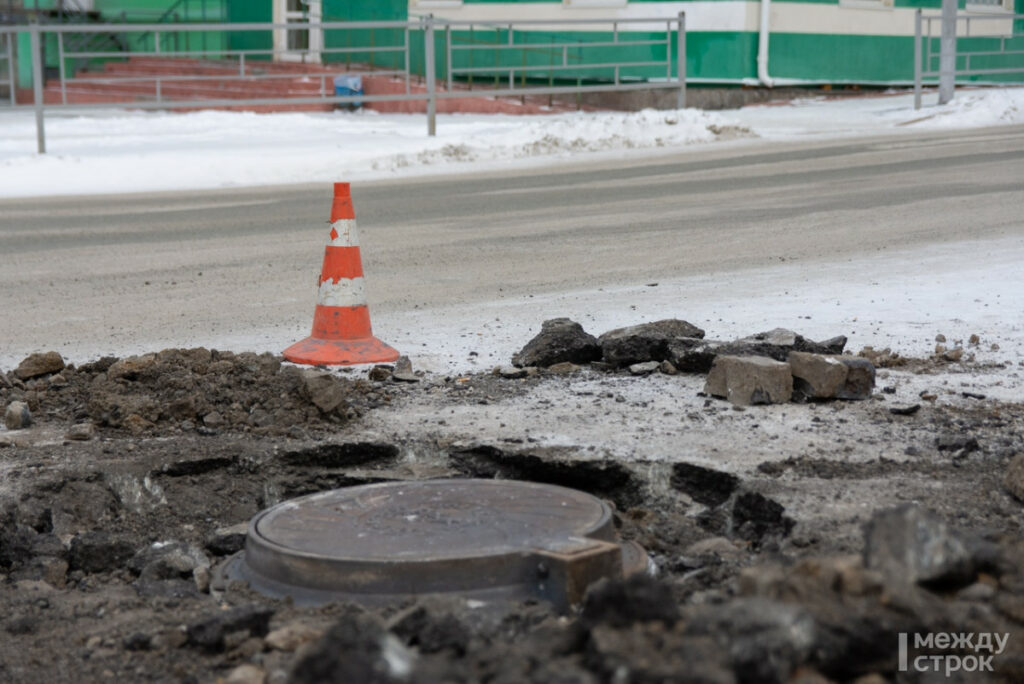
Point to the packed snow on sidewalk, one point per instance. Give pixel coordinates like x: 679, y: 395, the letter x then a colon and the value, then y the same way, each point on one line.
x: 122, y: 151
x: 901, y: 300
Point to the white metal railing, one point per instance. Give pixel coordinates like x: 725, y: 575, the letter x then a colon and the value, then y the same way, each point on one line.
x: 399, y: 50
x: 928, y: 61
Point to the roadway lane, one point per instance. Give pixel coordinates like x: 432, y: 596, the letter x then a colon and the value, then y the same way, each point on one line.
x: 91, y: 275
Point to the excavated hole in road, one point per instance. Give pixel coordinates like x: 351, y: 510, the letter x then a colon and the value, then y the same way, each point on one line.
x: 95, y: 515
x: 485, y: 539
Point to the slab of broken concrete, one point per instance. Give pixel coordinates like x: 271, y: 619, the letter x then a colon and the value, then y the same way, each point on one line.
x: 817, y: 376
x: 747, y: 380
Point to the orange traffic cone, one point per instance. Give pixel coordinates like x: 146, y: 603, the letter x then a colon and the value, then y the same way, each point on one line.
x: 341, y: 324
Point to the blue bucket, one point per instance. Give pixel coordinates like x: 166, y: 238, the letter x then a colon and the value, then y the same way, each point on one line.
x: 348, y: 84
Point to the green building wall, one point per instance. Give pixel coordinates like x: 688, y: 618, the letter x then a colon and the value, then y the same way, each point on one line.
x: 240, y: 12
x: 719, y: 57
x: 731, y: 56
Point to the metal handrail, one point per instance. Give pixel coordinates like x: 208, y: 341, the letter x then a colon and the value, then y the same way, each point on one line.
x: 924, y: 57
x: 553, y: 67
x: 502, y: 23
x: 538, y: 47
x: 400, y: 44
x: 247, y: 26
x: 555, y: 49
x: 249, y: 52
x: 114, y: 80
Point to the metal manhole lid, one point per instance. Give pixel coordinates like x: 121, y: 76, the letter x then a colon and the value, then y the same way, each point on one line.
x: 477, y: 537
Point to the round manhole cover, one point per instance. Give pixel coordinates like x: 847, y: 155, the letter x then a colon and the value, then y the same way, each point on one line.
x: 480, y: 538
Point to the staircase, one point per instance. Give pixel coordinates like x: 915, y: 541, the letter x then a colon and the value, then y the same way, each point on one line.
x: 177, y: 80
x: 222, y: 80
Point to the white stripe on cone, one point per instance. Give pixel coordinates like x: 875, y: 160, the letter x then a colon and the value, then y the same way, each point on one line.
x: 348, y: 235
x: 344, y: 292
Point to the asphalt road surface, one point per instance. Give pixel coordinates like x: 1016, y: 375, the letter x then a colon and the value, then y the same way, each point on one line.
x: 93, y: 275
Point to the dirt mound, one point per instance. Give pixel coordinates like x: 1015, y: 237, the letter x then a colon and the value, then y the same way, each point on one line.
x: 179, y: 390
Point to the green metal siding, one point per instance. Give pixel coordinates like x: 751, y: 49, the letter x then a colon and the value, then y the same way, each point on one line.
x: 24, y: 60
x: 716, y: 56
x: 817, y: 57
x: 381, y: 10
x: 255, y: 12
x: 353, y: 10
x: 242, y: 12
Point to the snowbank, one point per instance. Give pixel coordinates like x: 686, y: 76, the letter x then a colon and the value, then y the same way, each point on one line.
x: 117, y: 151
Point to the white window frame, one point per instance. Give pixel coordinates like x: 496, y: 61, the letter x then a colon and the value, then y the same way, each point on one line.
x: 282, y: 15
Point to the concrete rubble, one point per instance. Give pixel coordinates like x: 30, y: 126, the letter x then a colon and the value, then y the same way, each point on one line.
x: 560, y: 340
x: 17, y: 416
x: 820, y: 371
x: 816, y: 376
x: 749, y: 380
x: 911, y: 545
x: 37, y: 365
x: 645, y: 342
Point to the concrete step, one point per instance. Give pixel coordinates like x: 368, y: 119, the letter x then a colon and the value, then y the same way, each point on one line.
x: 305, y: 83
x: 196, y: 66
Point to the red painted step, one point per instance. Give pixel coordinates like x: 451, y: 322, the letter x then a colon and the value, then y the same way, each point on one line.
x: 289, y: 79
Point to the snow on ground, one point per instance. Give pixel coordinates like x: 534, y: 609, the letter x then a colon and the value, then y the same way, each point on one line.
x: 117, y: 151
x: 901, y: 300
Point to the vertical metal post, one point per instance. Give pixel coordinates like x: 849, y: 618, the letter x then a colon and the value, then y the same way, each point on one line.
x: 522, y: 74
x: 10, y: 67
x: 156, y: 41
x: 241, y: 65
x: 947, y: 54
x: 428, y: 56
x: 668, y: 50
x: 551, y: 72
x: 37, y: 87
x: 408, y: 67
x: 917, y: 58
x: 448, y: 53
x: 63, y: 76
x: 681, y: 62
x: 469, y: 53
x: 511, y: 69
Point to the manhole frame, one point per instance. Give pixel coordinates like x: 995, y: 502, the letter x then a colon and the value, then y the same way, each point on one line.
x: 558, y: 569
